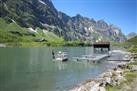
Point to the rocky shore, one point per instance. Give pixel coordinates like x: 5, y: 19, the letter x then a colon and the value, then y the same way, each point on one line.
x: 112, y: 78
x: 2, y: 45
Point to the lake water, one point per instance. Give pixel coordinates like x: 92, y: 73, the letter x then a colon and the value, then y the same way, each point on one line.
x: 32, y: 69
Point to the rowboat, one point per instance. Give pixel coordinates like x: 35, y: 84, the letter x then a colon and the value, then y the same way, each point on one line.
x: 61, y: 56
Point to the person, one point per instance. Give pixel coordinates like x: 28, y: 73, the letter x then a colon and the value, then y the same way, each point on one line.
x: 53, y: 54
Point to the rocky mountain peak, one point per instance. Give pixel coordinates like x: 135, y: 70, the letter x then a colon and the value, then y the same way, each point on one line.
x: 78, y: 16
x: 101, y: 24
x: 46, y: 2
x: 38, y: 13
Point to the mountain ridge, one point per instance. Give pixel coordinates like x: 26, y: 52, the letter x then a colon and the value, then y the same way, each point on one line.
x: 43, y: 14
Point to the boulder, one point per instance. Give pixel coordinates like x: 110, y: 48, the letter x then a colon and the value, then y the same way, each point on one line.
x: 102, y: 89
x: 133, y: 68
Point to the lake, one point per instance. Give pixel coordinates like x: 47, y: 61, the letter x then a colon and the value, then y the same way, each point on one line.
x: 32, y: 69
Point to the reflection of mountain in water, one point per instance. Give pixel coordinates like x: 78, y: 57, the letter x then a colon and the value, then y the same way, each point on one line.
x: 32, y: 69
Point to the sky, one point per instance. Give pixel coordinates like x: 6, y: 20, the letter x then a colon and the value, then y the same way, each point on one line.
x: 122, y: 13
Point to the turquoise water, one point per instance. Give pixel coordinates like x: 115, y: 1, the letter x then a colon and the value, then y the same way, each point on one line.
x: 32, y: 69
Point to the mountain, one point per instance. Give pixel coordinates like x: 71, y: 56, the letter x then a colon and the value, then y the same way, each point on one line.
x: 131, y: 35
x: 42, y: 14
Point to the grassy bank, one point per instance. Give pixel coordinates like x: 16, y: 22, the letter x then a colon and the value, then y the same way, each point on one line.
x: 131, y: 45
x: 13, y: 35
x: 133, y: 50
x: 129, y: 84
x: 131, y: 77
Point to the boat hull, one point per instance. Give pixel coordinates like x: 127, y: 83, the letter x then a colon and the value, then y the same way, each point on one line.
x: 61, y: 59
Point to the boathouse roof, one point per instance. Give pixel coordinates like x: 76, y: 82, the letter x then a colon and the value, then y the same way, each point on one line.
x: 101, y: 43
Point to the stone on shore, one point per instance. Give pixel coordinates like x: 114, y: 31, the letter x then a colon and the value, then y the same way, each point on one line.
x: 2, y: 45
x: 112, y: 77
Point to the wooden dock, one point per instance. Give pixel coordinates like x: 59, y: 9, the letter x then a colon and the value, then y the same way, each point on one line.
x: 118, y: 55
x: 115, y: 55
x: 92, y: 59
x: 124, y: 60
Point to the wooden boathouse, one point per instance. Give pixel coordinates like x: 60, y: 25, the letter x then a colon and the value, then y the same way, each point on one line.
x: 101, y: 47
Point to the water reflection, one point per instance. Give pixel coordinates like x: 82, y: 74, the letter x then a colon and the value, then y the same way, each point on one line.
x: 61, y: 66
x: 32, y: 69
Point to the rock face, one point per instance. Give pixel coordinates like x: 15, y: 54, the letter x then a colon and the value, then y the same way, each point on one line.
x: 42, y: 13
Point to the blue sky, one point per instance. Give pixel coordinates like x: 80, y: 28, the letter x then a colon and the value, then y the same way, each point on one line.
x: 122, y: 13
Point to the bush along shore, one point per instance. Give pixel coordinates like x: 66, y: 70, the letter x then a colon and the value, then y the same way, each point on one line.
x: 122, y: 78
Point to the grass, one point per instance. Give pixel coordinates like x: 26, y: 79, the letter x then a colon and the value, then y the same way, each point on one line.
x: 125, y: 85
x: 12, y: 34
x: 130, y: 76
x: 129, y: 84
x: 133, y: 50
x: 131, y: 44
x: 133, y: 40
x: 5, y: 37
x: 31, y: 44
x: 133, y: 63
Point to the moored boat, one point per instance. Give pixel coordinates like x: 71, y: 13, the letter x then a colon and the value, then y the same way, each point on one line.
x: 61, y: 56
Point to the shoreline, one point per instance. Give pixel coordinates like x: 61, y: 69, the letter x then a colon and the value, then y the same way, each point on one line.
x: 111, y: 77
x: 44, y: 44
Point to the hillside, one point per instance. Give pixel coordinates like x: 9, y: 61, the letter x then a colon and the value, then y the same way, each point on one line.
x: 131, y: 35
x: 132, y: 41
x: 14, y: 35
x: 131, y: 44
x: 42, y: 15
